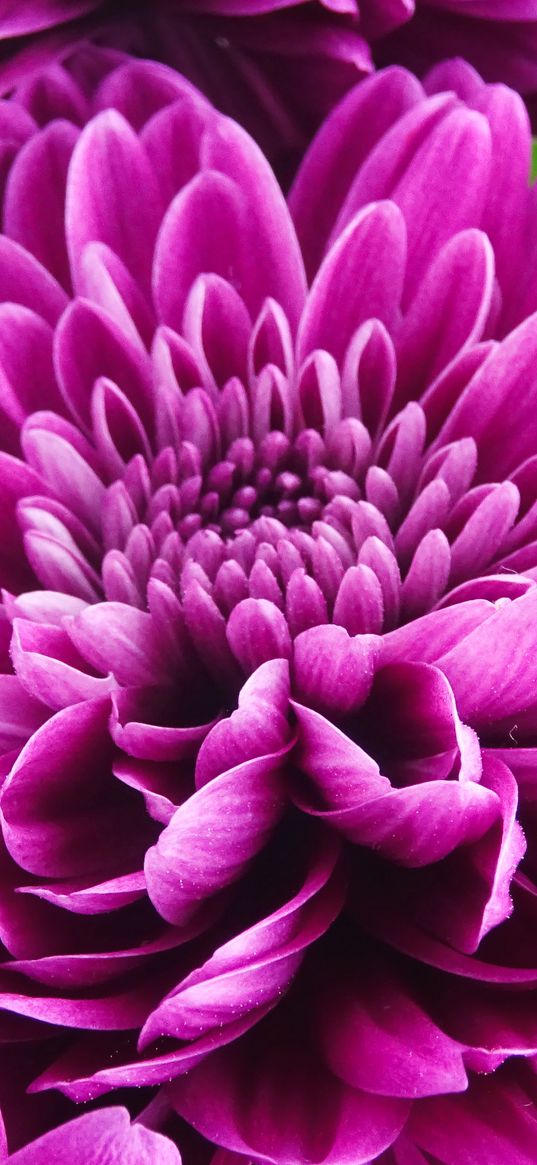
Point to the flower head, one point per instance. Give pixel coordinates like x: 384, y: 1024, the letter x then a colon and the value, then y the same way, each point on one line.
x: 267, y: 815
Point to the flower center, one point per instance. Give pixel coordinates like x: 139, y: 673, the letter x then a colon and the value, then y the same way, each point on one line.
x: 239, y: 524
x: 291, y: 482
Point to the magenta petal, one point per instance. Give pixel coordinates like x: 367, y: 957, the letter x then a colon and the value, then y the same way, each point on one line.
x: 333, y: 672
x: 100, y: 1138
x: 95, y: 209
x: 50, y: 668
x: 59, y: 765
x: 504, y: 434
x: 392, y: 156
x: 75, y: 1075
x: 213, y: 837
x: 274, y: 1103
x: 494, y: 1118
x: 256, y: 632
x: 204, y: 230
x: 254, y: 969
x: 20, y: 714
x: 375, y: 1035
x: 413, y: 826
x: 448, y: 313
x: 116, y: 638
x: 508, y: 121
x: 365, y: 267
x: 88, y: 970
x: 23, y: 280
x: 117, y: 1012
x: 93, y: 899
x: 507, y: 685
x: 432, y: 636
x: 209, y: 229
x: 26, y: 363
x: 174, y: 134
x: 217, y: 327
x: 434, y: 195
x: 258, y: 727
x: 207, y: 628
x: 280, y: 268
x: 485, y: 533
x: 53, y: 94
x: 36, y: 221
x: 65, y: 471
x: 88, y: 344
x: 339, y: 148
x: 511, y: 845
x: 105, y: 280
x: 31, y: 16
x: 139, y: 89
x: 17, y: 481
x: 133, y: 732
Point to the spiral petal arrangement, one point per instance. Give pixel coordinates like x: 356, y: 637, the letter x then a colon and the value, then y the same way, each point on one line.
x: 269, y: 537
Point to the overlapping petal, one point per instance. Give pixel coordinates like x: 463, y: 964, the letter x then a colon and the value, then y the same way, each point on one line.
x: 262, y: 718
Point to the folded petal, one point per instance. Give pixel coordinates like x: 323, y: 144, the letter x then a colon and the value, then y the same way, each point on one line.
x: 100, y: 1138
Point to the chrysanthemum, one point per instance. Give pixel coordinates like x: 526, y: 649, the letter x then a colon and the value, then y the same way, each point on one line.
x: 268, y: 701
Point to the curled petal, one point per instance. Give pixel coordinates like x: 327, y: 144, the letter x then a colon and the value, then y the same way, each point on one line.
x: 213, y: 837
x: 99, y: 1138
x: 254, y: 969
x: 333, y: 671
x: 258, y: 727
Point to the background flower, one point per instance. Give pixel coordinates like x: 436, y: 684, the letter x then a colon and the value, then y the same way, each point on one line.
x: 498, y: 37
x: 279, y: 66
x: 276, y: 66
x: 267, y: 750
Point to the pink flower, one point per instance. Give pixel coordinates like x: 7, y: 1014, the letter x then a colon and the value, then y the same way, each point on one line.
x: 267, y: 702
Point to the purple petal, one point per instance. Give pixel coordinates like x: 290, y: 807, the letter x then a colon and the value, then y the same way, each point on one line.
x: 273, y: 1102
x: 448, y: 314
x: 258, y: 727
x: 116, y: 638
x: 88, y: 345
x: 332, y: 671
x: 98, y: 190
x: 345, y: 140
x: 494, y: 1118
x: 212, y: 838
x: 132, y: 730
x: 376, y: 1035
x: 50, y: 668
x: 361, y: 277
x: 506, y: 686
x: 256, y: 632
x: 36, y: 220
x: 254, y: 969
x: 64, y: 764
x: 98, y: 1138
